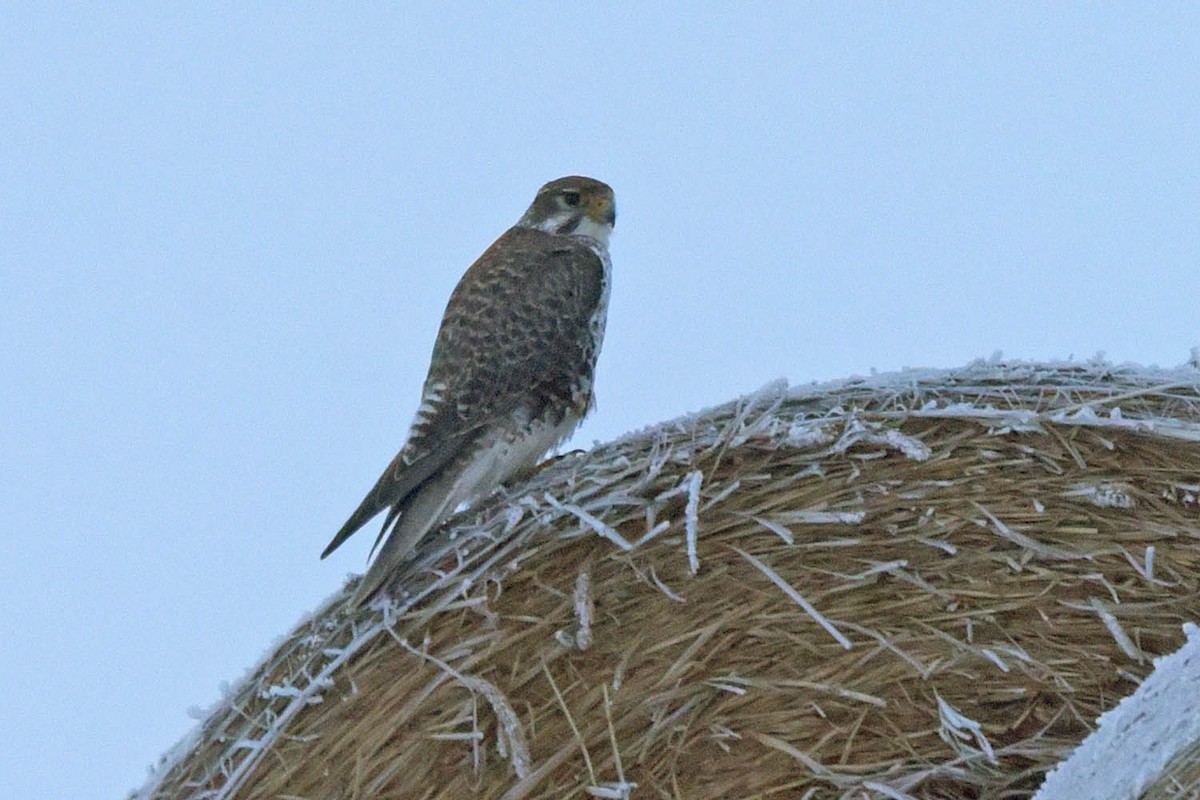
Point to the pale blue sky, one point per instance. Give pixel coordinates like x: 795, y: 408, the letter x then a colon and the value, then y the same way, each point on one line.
x: 227, y: 233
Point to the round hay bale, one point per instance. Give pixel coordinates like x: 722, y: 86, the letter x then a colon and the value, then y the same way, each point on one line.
x: 919, y: 585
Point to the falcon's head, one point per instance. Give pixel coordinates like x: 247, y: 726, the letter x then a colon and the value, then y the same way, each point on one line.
x: 573, y: 206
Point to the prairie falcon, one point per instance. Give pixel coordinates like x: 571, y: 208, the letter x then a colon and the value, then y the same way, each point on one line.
x: 511, y: 371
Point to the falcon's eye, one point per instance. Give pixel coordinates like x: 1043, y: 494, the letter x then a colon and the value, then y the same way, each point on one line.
x: 571, y: 198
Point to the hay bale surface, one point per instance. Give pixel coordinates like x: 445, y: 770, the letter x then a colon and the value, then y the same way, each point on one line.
x: 924, y: 585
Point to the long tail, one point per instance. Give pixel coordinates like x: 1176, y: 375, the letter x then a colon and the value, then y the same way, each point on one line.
x: 424, y: 509
x: 400, y: 481
x: 371, y: 505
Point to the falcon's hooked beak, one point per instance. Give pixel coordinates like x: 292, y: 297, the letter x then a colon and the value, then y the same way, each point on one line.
x: 603, y: 210
x: 597, y: 220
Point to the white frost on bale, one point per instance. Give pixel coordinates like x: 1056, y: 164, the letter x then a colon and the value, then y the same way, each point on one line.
x: 1104, y: 494
x: 1138, y: 738
x: 803, y: 433
x: 691, y: 518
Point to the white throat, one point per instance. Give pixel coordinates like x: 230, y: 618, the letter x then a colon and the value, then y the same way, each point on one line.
x: 600, y: 231
x: 587, y: 228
